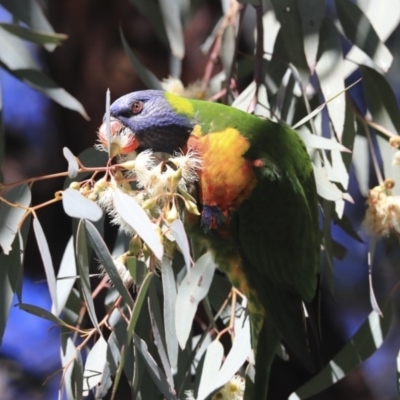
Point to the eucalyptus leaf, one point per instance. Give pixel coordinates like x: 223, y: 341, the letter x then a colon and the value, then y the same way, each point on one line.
x: 77, y: 375
x: 288, y: 15
x: 148, y: 78
x: 312, y: 12
x: 94, y: 365
x: 42, y: 313
x: 154, y: 370
x: 68, y: 271
x: 131, y: 327
x: 7, y: 262
x: 381, y: 100
x: 363, y: 344
x: 158, y: 334
x: 384, y: 20
x: 193, y: 288
x: 29, y: 12
x: 11, y: 217
x: 179, y: 234
x: 136, y: 217
x: 169, y: 291
x: 66, y: 358
x: 228, y: 47
x: 361, y: 33
x: 170, y: 11
x: 90, y: 158
x: 319, y: 142
x: 331, y: 74
x: 97, y: 243
x: 83, y: 269
x: 78, y: 206
x: 47, y: 262
x: 211, y: 366
x: 73, y: 165
x: 34, y: 36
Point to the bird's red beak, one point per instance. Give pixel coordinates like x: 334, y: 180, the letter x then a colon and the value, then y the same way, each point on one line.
x: 129, y: 142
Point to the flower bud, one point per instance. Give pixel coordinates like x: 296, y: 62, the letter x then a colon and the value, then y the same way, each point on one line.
x: 135, y: 245
x: 191, y: 207
x: 75, y: 185
x: 149, y: 203
x: 172, y: 214
x: 92, y: 196
x: 129, y: 165
x: 100, y: 185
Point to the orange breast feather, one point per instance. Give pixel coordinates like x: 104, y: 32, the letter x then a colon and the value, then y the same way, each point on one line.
x: 226, y: 178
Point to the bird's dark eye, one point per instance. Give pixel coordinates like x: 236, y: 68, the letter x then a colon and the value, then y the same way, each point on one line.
x: 137, y: 107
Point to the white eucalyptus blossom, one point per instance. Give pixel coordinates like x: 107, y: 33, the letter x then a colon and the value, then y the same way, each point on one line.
x: 189, y: 395
x: 121, y: 139
x: 196, y: 90
x: 383, y: 213
x: 232, y: 390
x: 396, y: 159
x: 121, y: 269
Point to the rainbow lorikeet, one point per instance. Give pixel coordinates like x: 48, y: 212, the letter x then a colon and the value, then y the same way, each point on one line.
x: 258, y: 204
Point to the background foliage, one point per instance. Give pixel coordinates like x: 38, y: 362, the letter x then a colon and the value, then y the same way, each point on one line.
x: 296, y: 61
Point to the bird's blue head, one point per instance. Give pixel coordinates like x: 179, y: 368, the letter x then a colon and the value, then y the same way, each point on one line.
x: 152, y: 120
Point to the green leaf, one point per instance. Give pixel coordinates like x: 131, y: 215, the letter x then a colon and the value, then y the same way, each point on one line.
x: 29, y: 12
x: 349, y: 135
x: 363, y: 344
x: 312, y: 12
x: 83, y: 269
x: 104, y: 256
x: 40, y: 81
x: 130, y: 211
x: 8, y: 263
x: 288, y: 15
x: 153, y: 369
x: 34, y: 36
x: 77, y: 376
x: 47, y: 262
x: 94, y: 365
x: 361, y: 33
x: 169, y: 291
x: 78, y: 206
x: 2, y: 135
x: 384, y: 20
x: 159, y: 334
x: 66, y: 358
x: 275, y: 69
x: 171, y: 13
x: 66, y: 276
x: 11, y: 217
x: 381, y: 100
x: 252, y: 2
x: 131, y: 327
x: 331, y: 74
x: 152, y: 11
x: 148, y: 78
x: 193, y: 288
x: 42, y: 313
